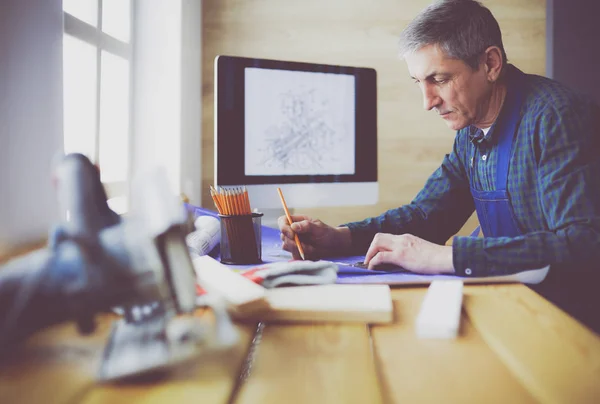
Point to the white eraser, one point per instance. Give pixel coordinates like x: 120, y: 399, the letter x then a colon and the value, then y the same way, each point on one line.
x: 439, y: 316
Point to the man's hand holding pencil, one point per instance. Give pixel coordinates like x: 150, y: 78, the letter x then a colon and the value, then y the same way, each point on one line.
x: 318, y: 239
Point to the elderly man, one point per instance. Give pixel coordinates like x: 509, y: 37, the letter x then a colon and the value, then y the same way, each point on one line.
x: 526, y: 157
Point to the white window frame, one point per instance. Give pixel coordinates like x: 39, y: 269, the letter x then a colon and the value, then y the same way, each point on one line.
x: 94, y: 36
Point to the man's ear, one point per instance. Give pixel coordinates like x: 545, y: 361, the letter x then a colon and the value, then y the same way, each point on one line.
x: 493, y: 63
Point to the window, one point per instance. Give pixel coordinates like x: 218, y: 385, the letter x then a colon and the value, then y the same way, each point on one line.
x: 97, y: 55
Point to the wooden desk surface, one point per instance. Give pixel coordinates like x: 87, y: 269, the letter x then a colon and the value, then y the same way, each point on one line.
x: 514, y: 347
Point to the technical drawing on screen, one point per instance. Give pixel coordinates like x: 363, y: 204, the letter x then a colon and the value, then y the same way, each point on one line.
x: 310, y: 129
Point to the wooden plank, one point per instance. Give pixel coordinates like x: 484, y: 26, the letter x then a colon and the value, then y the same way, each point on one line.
x: 209, y: 379
x: 328, y: 303
x: 241, y: 294
x: 555, y: 357
x: 439, y: 371
x: 59, y: 366
x: 313, y: 364
x: 546, y: 313
x: 56, y: 365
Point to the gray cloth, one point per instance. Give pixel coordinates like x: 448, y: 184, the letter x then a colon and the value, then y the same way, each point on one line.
x: 298, y: 273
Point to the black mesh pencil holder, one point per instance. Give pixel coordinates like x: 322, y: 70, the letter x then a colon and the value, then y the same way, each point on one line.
x: 241, y: 239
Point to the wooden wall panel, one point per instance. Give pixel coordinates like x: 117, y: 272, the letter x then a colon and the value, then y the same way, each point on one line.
x: 411, y: 141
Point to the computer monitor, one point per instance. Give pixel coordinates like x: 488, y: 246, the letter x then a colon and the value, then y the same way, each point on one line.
x: 310, y: 129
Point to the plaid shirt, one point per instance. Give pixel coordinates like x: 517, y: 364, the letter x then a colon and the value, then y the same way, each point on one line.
x: 553, y: 187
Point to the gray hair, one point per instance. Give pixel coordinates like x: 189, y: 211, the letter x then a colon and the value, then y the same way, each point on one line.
x: 463, y: 29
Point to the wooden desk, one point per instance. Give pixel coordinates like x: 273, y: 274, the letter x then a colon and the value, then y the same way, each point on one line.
x: 514, y: 347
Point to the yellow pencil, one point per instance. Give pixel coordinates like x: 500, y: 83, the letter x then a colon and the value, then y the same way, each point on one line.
x: 289, y: 218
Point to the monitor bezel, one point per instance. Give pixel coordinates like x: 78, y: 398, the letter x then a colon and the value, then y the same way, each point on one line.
x: 230, y: 117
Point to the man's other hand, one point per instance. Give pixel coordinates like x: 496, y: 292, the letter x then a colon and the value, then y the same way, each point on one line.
x: 411, y: 253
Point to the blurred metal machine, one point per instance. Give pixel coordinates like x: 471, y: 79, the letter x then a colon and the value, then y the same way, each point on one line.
x: 97, y: 261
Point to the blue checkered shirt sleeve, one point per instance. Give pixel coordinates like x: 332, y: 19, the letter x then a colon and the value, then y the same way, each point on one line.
x: 553, y: 186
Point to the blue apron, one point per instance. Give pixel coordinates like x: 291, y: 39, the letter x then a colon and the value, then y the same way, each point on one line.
x: 494, y: 211
x: 496, y: 216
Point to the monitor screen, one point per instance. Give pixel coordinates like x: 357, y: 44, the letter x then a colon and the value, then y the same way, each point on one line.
x: 310, y: 129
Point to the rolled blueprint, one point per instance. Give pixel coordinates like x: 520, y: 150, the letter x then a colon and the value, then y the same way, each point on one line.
x: 206, y: 236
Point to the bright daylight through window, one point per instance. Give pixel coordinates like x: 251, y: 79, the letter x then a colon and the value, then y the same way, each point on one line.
x: 97, y: 104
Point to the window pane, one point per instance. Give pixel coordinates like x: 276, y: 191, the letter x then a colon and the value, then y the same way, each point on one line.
x: 116, y: 18
x: 79, y: 86
x: 114, y: 117
x: 85, y: 10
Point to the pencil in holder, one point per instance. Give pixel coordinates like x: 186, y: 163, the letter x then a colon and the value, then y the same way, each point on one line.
x: 241, y: 239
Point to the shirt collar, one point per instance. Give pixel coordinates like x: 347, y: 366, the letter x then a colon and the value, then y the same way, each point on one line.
x: 478, y: 137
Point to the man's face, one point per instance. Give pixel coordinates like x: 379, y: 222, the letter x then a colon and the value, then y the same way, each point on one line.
x: 459, y: 94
